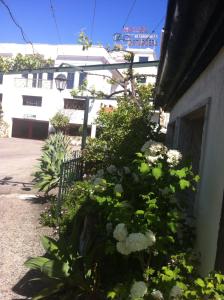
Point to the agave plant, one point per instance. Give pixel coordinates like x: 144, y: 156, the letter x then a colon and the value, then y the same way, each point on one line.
x: 69, y: 267
x: 56, y: 149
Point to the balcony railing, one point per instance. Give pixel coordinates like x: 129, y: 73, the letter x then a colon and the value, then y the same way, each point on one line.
x: 33, y: 83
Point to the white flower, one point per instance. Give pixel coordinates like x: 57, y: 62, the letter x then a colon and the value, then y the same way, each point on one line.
x: 138, y: 290
x: 173, y: 157
x: 176, y: 292
x: 120, y: 232
x: 122, y: 248
x: 118, y: 188
x: 151, y: 239
x: 156, y: 148
x: 157, y: 295
x: 136, y: 242
x: 111, y: 169
x: 153, y: 159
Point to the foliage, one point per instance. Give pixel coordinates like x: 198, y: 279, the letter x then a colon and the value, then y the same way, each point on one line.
x: 60, y: 122
x: 84, y: 41
x: 57, y: 148
x: 27, y: 62
x: 67, y: 274
x: 132, y: 234
x: 121, y: 132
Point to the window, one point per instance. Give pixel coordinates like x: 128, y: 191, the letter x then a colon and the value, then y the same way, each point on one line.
x: 1, y: 78
x: 143, y: 58
x: 40, y: 76
x: 25, y: 76
x: 70, y: 80
x: 82, y: 78
x: 50, y: 76
x: 32, y: 100
x: 74, y: 104
x: 34, y: 83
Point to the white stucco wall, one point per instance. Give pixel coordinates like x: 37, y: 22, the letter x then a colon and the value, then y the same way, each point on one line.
x: 13, y: 87
x: 209, y: 86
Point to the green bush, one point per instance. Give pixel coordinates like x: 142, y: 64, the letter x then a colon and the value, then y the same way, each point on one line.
x: 57, y: 148
x: 121, y: 133
x: 60, y: 122
x: 127, y: 236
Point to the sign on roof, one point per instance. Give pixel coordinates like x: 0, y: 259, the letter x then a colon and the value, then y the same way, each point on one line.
x: 136, y: 36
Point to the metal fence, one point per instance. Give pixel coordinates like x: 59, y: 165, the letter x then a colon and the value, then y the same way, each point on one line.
x: 71, y: 171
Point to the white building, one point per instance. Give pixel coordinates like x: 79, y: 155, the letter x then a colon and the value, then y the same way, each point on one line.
x: 29, y: 101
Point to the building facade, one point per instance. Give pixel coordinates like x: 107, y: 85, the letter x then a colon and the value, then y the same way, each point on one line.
x: 29, y: 101
x: 190, y: 85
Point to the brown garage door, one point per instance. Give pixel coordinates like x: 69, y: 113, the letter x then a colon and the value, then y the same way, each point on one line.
x: 30, y: 129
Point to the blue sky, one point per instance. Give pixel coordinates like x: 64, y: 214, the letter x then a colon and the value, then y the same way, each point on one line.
x: 72, y: 16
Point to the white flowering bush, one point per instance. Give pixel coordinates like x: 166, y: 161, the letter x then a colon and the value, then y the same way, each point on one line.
x: 129, y: 231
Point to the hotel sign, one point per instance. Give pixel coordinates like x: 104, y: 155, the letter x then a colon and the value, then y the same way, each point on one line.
x: 136, y: 36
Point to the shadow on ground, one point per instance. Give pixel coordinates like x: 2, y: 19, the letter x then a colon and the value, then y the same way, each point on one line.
x: 8, y: 181
x: 27, y: 287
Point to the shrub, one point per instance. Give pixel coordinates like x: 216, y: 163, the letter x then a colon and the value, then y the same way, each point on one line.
x: 57, y: 148
x: 121, y: 133
x: 60, y: 122
x: 129, y: 236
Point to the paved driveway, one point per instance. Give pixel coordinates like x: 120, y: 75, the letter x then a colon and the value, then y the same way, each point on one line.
x: 20, y: 230
x: 18, y: 158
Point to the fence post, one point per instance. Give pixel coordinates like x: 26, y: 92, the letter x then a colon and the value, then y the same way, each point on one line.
x: 85, y: 123
x: 60, y: 190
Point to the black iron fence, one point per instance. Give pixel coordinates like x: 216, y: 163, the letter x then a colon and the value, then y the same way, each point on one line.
x: 71, y: 171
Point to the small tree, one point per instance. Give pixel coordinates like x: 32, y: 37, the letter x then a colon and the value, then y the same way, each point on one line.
x: 60, y: 122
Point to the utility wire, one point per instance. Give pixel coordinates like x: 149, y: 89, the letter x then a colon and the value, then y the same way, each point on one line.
x: 129, y: 13
x: 24, y: 35
x: 55, y: 22
x: 93, y: 20
x: 159, y: 23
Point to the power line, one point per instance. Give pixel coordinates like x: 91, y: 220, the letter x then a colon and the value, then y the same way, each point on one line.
x: 24, y: 35
x: 55, y: 22
x: 158, y: 24
x: 129, y: 13
x: 93, y: 20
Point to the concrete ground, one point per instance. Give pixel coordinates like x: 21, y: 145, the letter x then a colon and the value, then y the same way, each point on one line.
x: 20, y: 230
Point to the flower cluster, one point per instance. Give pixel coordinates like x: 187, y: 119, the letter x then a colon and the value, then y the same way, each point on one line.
x: 133, y: 242
x: 157, y: 295
x: 173, y: 157
x: 155, y: 151
x: 176, y: 293
x: 138, y: 290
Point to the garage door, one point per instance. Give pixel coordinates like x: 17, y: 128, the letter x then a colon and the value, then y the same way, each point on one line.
x: 30, y: 129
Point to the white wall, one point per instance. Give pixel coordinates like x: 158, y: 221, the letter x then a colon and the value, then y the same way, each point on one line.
x: 208, y: 87
x: 14, y: 86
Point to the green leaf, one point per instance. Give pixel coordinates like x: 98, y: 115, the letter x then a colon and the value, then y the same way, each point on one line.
x: 56, y: 269
x: 36, y: 263
x: 200, y: 282
x: 51, y: 246
x: 157, y: 173
x: 181, y: 173
x: 184, y: 184
x: 45, y: 293
x: 144, y: 168
x: 111, y: 295
x: 139, y: 212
